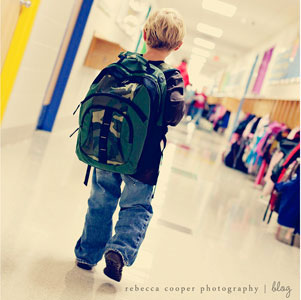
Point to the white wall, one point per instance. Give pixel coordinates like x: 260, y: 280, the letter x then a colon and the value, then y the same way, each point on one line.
x: 35, y: 70
x: 81, y: 76
x: 284, y: 90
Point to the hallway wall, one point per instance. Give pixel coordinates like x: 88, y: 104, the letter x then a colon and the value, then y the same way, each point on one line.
x: 81, y: 77
x: 39, y: 58
x: 288, y: 90
x: 52, y: 19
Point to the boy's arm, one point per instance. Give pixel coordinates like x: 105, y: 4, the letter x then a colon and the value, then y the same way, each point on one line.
x: 175, y: 102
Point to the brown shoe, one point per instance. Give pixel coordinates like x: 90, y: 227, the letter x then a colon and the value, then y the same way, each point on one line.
x: 114, y: 265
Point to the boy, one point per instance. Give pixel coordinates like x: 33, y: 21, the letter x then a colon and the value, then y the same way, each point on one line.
x: 163, y: 33
x: 200, y: 101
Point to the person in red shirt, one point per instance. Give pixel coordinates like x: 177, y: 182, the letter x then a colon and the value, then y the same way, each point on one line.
x: 183, y: 70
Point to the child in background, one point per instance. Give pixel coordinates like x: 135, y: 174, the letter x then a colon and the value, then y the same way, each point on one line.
x: 198, y: 106
x: 184, y: 72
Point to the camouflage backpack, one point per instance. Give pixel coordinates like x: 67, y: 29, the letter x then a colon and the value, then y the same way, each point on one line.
x: 114, y: 116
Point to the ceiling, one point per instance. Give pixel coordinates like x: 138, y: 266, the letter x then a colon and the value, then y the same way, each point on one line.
x: 254, y: 22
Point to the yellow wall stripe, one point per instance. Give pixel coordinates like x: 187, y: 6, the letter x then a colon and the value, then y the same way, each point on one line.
x: 16, y: 51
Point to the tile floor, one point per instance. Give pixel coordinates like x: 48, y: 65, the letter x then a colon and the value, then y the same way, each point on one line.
x: 205, y: 241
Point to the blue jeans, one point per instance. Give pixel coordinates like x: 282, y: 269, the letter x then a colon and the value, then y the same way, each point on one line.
x: 134, y: 217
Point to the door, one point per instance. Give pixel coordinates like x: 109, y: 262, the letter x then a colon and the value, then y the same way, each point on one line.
x: 17, y: 18
x: 10, y: 10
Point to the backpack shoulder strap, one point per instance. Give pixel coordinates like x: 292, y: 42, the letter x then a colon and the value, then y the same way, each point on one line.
x: 166, y: 68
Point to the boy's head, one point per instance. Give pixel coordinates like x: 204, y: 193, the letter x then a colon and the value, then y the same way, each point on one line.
x: 164, y: 29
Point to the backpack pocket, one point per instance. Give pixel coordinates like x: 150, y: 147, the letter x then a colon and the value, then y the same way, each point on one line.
x: 103, y: 142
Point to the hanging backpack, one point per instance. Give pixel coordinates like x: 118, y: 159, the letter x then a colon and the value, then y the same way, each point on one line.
x: 114, y: 116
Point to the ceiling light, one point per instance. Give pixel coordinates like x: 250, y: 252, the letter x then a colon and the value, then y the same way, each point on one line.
x: 204, y: 43
x: 220, y: 7
x: 138, y: 5
x: 194, y: 69
x: 200, y: 52
x: 210, y: 30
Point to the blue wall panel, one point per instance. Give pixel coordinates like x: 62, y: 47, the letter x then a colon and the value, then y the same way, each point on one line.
x: 48, y: 112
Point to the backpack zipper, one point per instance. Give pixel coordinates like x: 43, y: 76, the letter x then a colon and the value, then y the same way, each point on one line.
x: 136, y: 80
x: 74, y: 132
x: 134, y: 106
x: 76, y: 108
x: 151, y: 77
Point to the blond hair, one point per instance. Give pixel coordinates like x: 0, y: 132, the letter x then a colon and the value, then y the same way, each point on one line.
x: 164, y: 29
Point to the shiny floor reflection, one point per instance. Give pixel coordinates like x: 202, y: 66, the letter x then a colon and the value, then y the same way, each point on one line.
x: 207, y: 230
